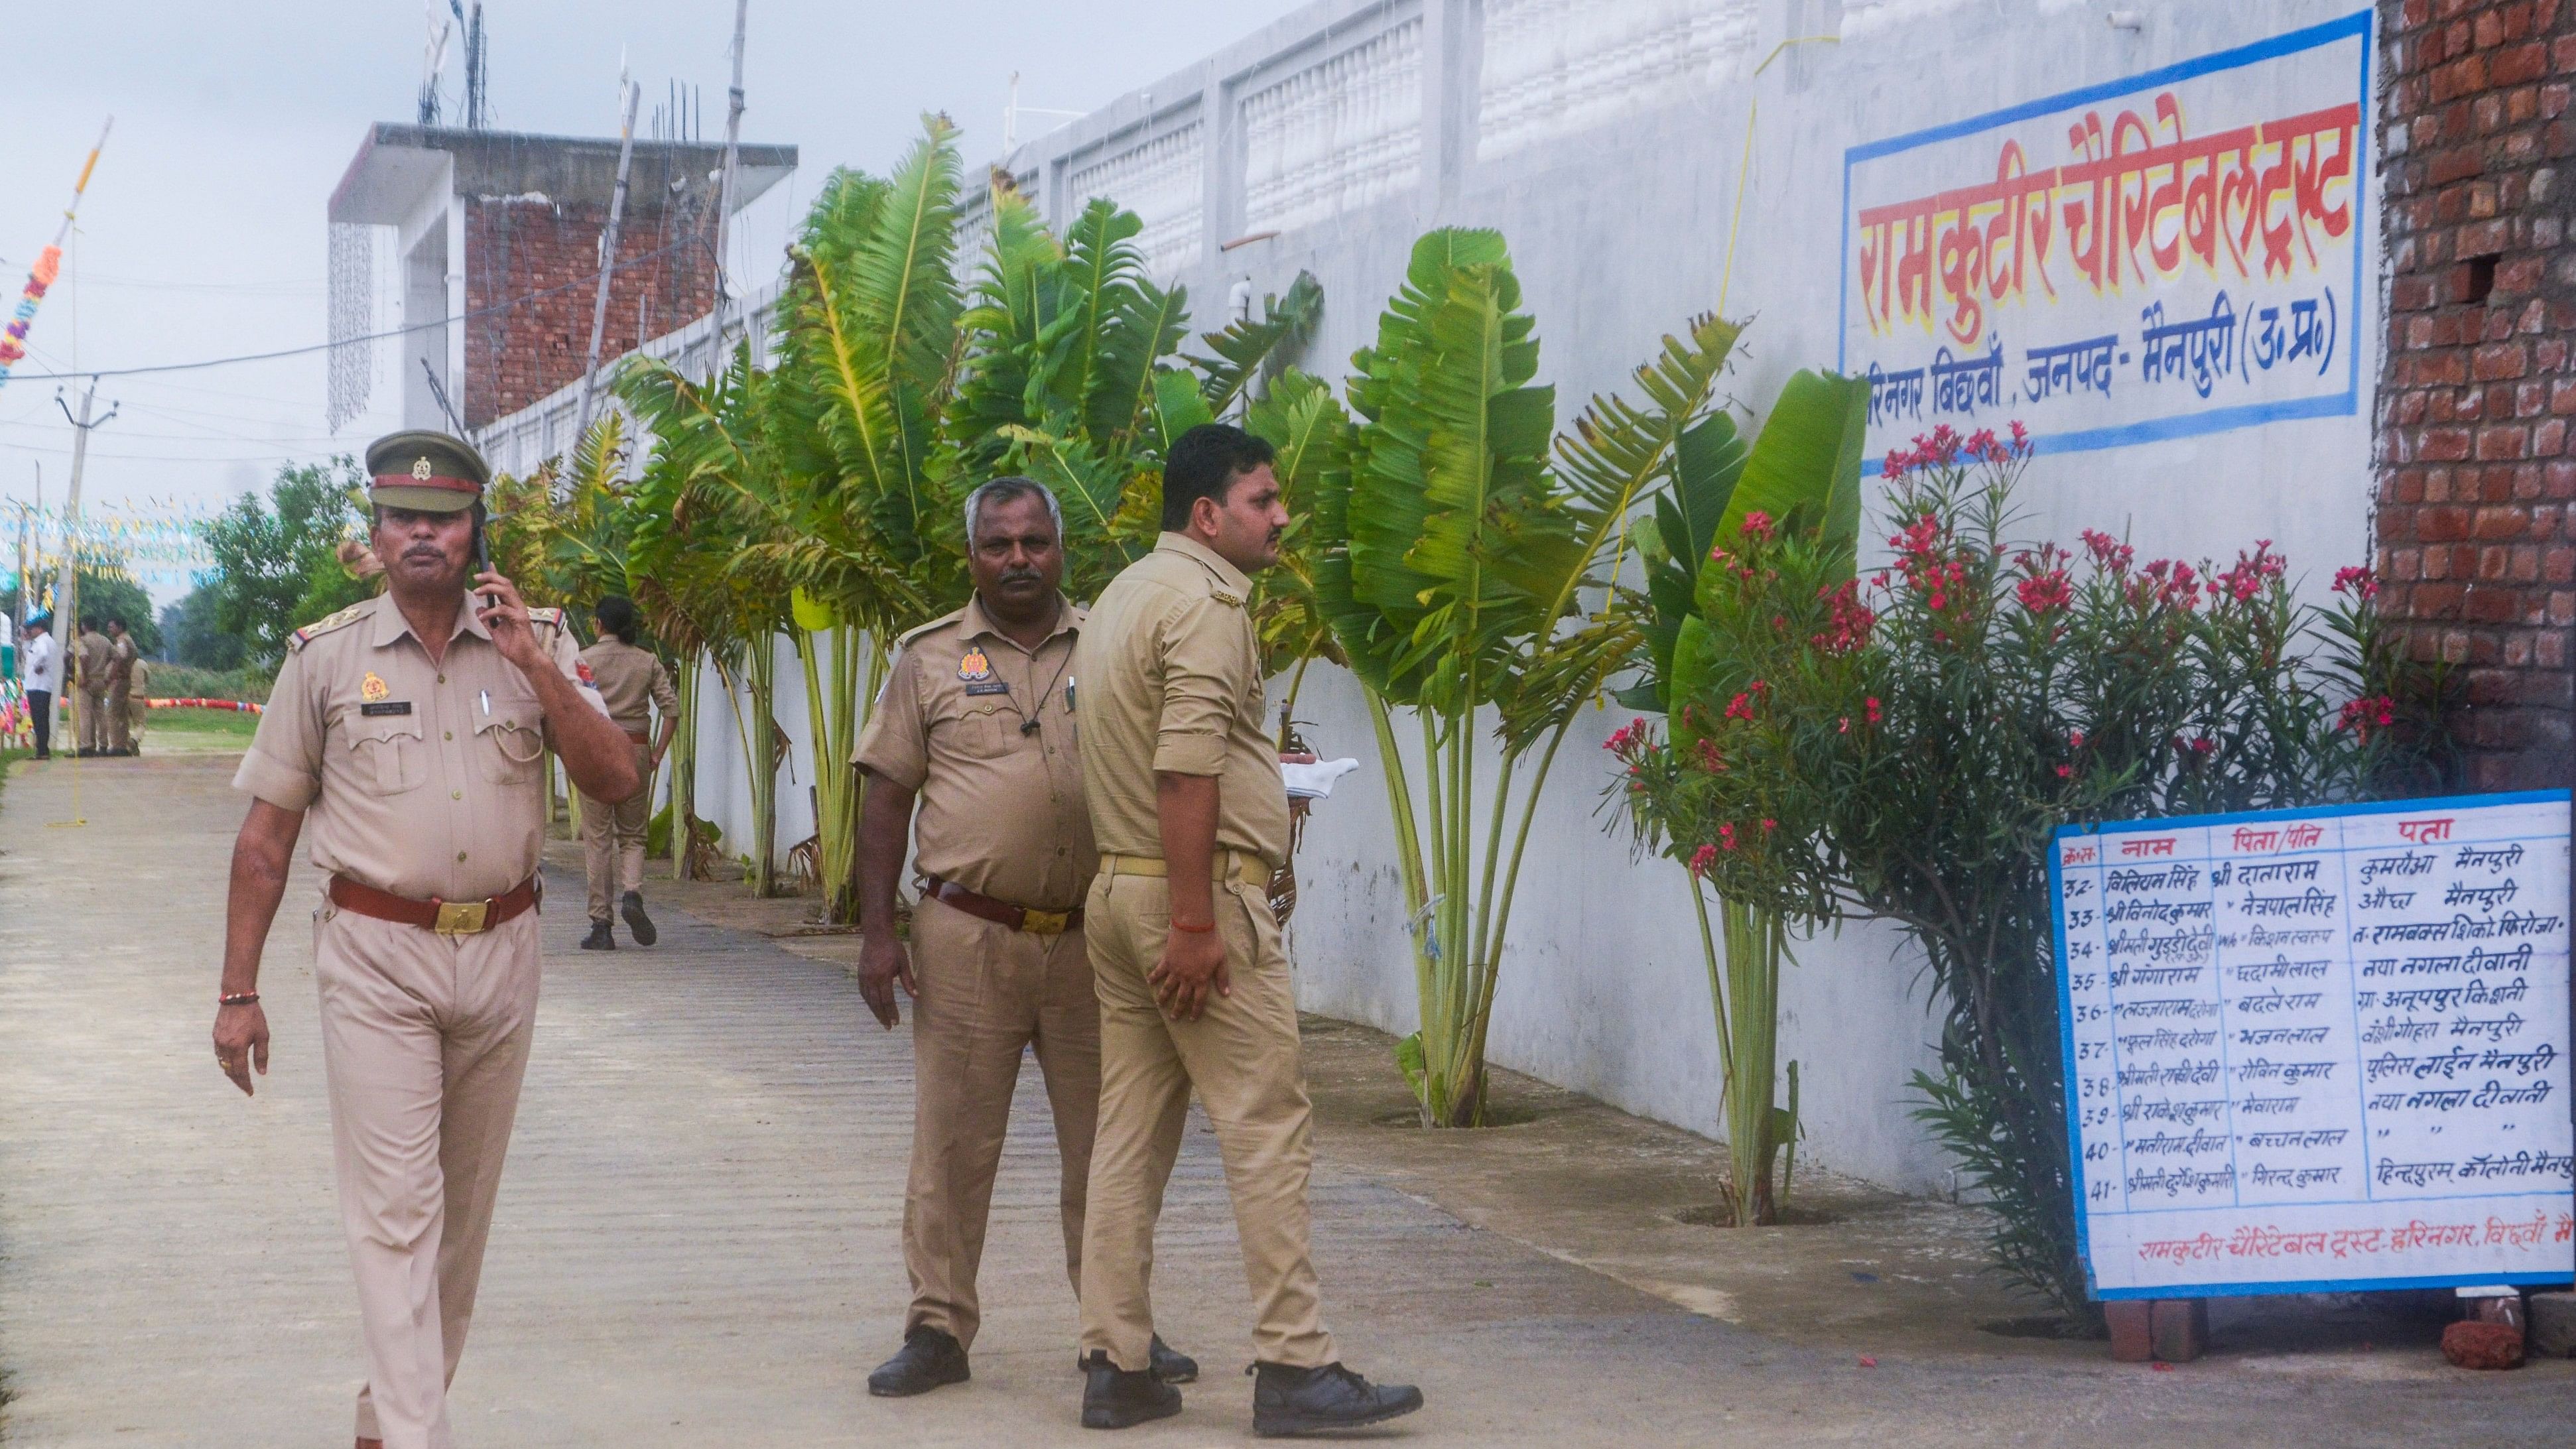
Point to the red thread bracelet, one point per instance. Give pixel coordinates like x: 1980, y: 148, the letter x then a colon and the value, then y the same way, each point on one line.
x: 1194, y: 930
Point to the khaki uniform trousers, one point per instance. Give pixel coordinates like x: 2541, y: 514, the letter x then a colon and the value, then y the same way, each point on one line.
x: 1242, y: 1056
x: 987, y: 991
x: 424, y: 1044
x: 93, y: 718
x: 120, y: 719
x: 612, y: 841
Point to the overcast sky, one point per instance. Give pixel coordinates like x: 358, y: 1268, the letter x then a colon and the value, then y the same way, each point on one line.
x: 203, y: 234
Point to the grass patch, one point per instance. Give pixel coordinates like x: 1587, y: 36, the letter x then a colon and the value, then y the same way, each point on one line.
x: 229, y: 722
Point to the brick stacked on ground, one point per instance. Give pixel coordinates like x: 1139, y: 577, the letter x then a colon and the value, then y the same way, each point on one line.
x: 520, y: 247
x: 2476, y: 392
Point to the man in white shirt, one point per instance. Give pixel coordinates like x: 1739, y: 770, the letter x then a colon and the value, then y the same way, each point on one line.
x: 44, y: 677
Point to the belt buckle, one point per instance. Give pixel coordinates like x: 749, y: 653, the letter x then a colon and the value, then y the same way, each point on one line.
x: 1046, y: 923
x: 463, y: 918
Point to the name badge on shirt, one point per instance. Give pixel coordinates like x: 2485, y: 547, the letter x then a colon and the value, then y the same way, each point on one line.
x: 991, y: 686
x: 390, y: 706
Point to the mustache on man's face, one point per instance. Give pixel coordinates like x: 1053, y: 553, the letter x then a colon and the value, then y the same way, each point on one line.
x: 1021, y: 576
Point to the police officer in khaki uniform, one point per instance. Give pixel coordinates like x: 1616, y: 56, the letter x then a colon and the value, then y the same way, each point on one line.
x: 976, y: 725
x: 632, y: 682
x: 1191, y: 817
x: 92, y: 656
x: 121, y: 655
x: 410, y: 728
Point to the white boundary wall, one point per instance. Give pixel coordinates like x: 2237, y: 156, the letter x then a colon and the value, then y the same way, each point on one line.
x: 1606, y: 139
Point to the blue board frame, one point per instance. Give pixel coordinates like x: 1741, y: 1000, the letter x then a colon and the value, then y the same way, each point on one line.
x: 2066, y: 1041
x: 2361, y: 24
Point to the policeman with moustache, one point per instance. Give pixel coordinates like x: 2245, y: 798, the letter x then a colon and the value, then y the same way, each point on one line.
x: 410, y: 730
x: 970, y: 752
x: 1191, y: 817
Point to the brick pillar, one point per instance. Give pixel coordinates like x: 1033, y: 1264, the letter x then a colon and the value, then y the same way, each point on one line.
x: 2475, y: 555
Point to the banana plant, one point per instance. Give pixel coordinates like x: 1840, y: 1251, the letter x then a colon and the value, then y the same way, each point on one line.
x: 711, y: 521
x: 1801, y: 475
x: 1464, y: 563
x: 863, y: 384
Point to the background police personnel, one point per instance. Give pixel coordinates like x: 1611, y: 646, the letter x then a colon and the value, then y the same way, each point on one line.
x: 976, y: 723
x: 630, y: 681
x: 121, y: 654
x: 92, y: 654
x: 410, y: 729
x: 1192, y: 819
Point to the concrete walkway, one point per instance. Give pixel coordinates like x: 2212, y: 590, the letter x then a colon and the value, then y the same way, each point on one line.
x: 697, y: 1236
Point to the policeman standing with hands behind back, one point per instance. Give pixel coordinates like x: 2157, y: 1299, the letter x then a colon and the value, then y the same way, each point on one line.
x: 410, y: 728
x: 1192, y: 819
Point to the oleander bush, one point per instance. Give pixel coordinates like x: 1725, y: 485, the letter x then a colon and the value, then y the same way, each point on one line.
x: 1900, y: 744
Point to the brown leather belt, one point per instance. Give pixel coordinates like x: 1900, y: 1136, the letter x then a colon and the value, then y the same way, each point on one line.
x: 640, y: 737
x: 1001, y: 913
x: 448, y: 918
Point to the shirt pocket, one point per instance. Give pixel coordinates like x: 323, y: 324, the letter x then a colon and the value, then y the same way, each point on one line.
x: 393, y: 750
x: 509, y: 742
x: 979, y: 730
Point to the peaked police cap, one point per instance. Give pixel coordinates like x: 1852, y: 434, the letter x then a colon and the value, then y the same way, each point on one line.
x: 427, y: 472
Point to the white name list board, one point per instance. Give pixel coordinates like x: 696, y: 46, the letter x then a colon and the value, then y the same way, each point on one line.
x: 2319, y: 1049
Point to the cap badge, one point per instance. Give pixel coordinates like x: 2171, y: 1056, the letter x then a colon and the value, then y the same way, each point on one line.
x: 421, y: 470
x: 974, y: 668
x: 371, y: 689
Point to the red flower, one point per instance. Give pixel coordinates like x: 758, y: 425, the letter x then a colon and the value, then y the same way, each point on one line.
x: 1740, y: 707
x: 2020, y: 437
x: 1702, y: 858
x: 2043, y: 593
x: 2076, y: 740
x: 2356, y: 580
x: 2362, y: 716
x: 1726, y: 837
x: 1757, y: 526
x: 2065, y: 771
x: 1870, y: 704
x: 2109, y: 552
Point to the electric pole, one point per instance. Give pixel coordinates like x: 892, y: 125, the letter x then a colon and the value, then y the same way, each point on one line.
x: 725, y: 193
x: 629, y: 93
x: 66, y: 579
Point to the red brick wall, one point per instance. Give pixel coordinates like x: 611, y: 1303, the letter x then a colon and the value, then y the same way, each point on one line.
x: 518, y: 249
x: 2476, y: 551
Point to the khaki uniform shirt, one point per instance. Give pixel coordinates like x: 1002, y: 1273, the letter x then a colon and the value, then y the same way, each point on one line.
x: 1171, y: 681
x: 92, y: 654
x: 629, y: 679
x: 1000, y: 805
x: 121, y: 654
x: 414, y: 784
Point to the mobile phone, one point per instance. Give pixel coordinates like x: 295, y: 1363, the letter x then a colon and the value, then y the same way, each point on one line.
x: 483, y: 555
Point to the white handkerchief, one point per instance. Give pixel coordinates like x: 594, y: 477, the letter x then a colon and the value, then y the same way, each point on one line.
x: 1315, y: 781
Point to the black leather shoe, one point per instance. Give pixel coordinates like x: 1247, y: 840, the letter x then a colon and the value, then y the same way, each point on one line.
x: 930, y: 1359
x: 638, y: 924
x: 1291, y: 1401
x: 1169, y: 1365
x: 1113, y: 1398
x: 600, y: 938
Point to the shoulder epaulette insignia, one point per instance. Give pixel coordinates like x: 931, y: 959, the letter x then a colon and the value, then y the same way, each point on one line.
x: 547, y: 616
x: 951, y: 617
x: 322, y: 626
x: 1226, y: 596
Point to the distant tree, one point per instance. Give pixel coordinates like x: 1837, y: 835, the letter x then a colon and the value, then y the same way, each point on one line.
x: 188, y: 630
x: 277, y: 565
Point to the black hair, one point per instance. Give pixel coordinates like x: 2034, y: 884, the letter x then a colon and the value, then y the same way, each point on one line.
x: 616, y: 615
x: 1204, y: 463
x: 117, y: 621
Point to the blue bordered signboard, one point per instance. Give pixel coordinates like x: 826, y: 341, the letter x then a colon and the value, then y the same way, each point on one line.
x: 2319, y: 1049
x: 2166, y: 255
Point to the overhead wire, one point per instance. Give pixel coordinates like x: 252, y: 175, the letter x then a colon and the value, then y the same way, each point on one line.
x: 447, y: 321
